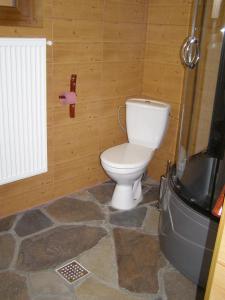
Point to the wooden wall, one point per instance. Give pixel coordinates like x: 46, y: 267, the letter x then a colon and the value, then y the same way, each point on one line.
x: 6, y: 2
x: 117, y: 48
x: 103, y: 43
x: 168, y: 24
x: 215, y: 289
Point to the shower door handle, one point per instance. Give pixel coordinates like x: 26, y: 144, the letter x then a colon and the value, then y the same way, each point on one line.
x: 190, y: 53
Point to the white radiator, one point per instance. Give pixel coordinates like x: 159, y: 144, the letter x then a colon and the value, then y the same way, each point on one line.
x: 23, y: 130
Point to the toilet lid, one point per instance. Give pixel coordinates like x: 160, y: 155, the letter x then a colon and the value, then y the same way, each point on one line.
x: 127, y: 156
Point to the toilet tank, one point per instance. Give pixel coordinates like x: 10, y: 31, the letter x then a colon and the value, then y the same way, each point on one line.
x: 146, y: 121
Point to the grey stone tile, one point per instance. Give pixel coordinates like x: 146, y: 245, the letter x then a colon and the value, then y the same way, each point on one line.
x: 139, y: 260
x: 7, y: 247
x: 6, y: 223
x: 145, y: 189
x: 179, y: 287
x: 148, y: 180
x: 101, y: 261
x: 112, y: 209
x: 137, y: 256
x: 55, y: 297
x: 131, y: 218
x: 56, y: 246
x: 13, y: 287
x: 47, y: 283
x: 91, y: 289
x: 83, y: 195
x: 103, y: 193
x: 31, y: 222
x: 151, y: 195
x: 151, y: 223
x: 74, y: 210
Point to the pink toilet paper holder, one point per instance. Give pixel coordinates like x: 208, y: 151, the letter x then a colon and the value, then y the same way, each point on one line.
x: 70, y: 97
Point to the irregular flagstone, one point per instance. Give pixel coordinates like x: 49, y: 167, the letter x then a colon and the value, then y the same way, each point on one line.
x: 101, y: 261
x: 151, y: 195
x: 6, y: 223
x: 145, y: 189
x: 151, y: 223
x: 55, y: 297
x: 139, y: 260
x: 103, y: 193
x: 74, y: 210
x: 13, y: 287
x: 83, y: 195
x: 179, y: 287
x: 91, y: 289
x: 148, y: 180
x: 31, y: 222
x: 131, y: 218
x: 7, y: 247
x: 55, y: 246
x: 47, y: 283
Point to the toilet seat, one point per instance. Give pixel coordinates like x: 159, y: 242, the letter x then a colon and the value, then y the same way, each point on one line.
x: 127, y: 156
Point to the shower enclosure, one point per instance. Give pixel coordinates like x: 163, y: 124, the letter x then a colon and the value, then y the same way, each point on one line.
x: 188, y: 192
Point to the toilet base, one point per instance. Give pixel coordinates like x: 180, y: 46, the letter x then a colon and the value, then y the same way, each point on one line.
x: 127, y: 196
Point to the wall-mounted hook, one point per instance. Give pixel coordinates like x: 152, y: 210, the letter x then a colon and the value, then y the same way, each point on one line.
x: 49, y: 43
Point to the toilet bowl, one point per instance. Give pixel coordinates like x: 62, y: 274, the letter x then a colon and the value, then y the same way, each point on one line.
x: 126, y: 163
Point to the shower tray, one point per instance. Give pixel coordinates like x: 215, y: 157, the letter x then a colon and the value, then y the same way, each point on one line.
x: 187, y: 236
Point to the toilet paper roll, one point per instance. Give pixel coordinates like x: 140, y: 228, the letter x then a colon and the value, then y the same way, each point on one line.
x: 68, y: 98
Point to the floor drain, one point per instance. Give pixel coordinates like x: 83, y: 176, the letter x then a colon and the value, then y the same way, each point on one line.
x: 72, y: 271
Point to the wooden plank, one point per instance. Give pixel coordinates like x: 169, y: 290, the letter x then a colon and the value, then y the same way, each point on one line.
x: 106, y: 49
x: 24, y: 13
x: 215, y: 287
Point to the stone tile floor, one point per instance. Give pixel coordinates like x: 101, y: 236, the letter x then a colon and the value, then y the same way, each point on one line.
x: 120, y: 249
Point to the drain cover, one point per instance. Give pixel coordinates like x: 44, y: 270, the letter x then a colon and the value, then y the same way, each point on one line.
x: 72, y: 271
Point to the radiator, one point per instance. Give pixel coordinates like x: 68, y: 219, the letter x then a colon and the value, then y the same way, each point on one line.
x: 23, y: 126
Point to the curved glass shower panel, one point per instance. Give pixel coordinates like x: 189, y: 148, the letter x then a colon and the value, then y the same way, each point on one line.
x: 195, y: 166
x: 188, y: 95
x: 207, y: 76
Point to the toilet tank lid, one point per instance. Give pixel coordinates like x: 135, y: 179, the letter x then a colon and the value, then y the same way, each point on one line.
x: 147, y: 103
x: 127, y: 156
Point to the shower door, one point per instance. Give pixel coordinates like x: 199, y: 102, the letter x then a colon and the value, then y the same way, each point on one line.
x: 200, y: 150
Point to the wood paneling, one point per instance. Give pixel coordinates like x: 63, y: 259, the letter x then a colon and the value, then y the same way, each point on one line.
x: 78, y: 9
x: 215, y: 287
x: 117, y: 48
x: 168, y: 23
x: 23, y: 13
x: 6, y: 3
x: 169, y: 14
x: 121, y: 11
x: 103, y: 43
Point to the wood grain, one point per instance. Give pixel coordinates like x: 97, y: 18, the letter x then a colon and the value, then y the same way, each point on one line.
x: 167, y: 27
x: 24, y: 13
x: 215, y: 286
x: 117, y: 52
x: 104, y: 45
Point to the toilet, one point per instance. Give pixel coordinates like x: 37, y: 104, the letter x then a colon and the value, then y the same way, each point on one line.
x: 146, y: 122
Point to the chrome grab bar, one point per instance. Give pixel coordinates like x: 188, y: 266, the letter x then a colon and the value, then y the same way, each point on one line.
x: 190, y: 53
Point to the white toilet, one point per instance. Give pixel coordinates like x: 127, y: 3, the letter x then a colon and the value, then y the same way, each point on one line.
x: 146, y: 122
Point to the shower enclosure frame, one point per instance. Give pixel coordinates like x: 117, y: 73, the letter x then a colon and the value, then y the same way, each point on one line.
x: 187, y: 229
